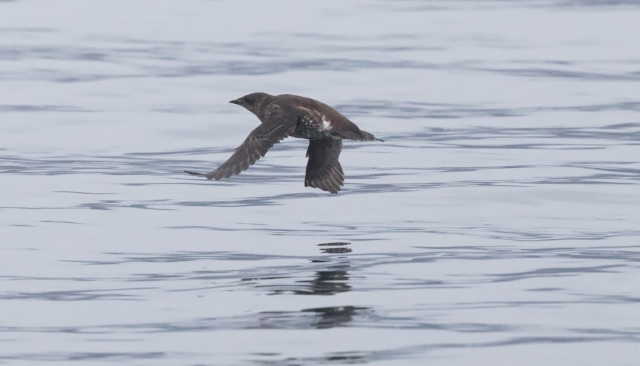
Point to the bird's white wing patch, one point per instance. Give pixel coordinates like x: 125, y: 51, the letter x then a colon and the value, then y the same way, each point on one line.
x: 326, y: 125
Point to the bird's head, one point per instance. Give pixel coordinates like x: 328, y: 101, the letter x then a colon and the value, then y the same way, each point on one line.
x: 252, y: 102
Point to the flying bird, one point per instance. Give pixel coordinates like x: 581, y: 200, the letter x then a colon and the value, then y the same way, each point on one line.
x: 289, y: 115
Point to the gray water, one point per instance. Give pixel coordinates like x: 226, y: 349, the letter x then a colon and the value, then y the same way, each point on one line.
x: 498, y: 224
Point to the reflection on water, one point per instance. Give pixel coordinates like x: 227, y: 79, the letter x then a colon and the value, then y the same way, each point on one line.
x: 334, y: 279
x: 334, y: 316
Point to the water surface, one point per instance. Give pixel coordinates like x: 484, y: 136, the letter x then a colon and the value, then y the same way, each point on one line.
x: 498, y: 223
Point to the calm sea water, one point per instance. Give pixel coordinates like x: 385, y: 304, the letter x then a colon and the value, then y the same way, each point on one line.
x: 498, y: 224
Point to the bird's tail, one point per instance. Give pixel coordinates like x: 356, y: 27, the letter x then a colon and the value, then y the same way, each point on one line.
x: 366, y: 136
x: 358, y: 135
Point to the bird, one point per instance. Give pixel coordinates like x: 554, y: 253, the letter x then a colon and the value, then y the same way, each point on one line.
x: 288, y: 115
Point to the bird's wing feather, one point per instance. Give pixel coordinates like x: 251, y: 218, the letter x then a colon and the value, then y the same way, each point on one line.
x: 276, y: 127
x: 323, y: 168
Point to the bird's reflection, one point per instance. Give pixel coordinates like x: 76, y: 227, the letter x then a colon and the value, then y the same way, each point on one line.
x: 327, y: 282
x: 333, y: 279
x: 334, y: 316
x: 335, y: 248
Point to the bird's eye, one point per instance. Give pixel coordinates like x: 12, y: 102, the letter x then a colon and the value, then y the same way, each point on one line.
x: 248, y: 100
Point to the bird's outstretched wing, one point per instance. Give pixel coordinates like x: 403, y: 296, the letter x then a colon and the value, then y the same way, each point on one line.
x: 276, y: 127
x: 323, y: 168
